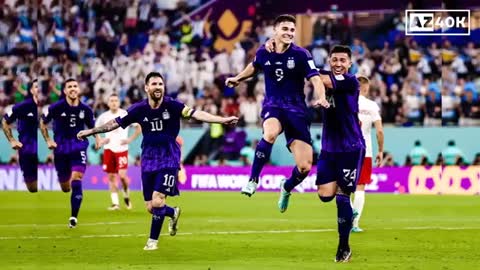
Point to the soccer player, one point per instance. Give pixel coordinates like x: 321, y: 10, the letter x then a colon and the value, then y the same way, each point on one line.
x: 159, y: 117
x: 26, y: 115
x: 343, y: 146
x: 115, y: 155
x: 369, y: 114
x: 69, y: 116
x: 284, y: 107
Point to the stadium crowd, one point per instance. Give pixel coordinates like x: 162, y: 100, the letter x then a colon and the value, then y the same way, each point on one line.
x: 109, y: 46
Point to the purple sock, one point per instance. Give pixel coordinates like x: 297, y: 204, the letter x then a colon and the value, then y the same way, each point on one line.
x: 169, y: 211
x: 262, y: 156
x: 157, y: 221
x: 345, y: 218
x: 76, y: 197
x: 295, y: 179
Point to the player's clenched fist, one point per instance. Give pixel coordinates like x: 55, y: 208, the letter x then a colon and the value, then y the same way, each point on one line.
x: 83, y: 134
x: 232, y: 82
x: 321, y: 102
x: 231, y: 120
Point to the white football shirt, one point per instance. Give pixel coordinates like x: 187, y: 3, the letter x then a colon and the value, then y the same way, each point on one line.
x: 369, y: 112
x: 115, y: 136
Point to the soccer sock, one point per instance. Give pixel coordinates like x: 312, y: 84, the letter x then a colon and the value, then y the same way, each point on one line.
x: 169, y: 211
x: 358, y: 203
x: 157, y: 221
x: 295, y: 179
x: 345, y: 215
x: 262, y: 156
x: 76, y: 197
x: 114, y: 196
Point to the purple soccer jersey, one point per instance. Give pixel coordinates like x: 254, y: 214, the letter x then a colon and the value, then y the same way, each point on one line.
x: 285, y: 75
x: 67, y: 122
x: 26, y: 115
x: 160, y: 127
x: 341, y: 126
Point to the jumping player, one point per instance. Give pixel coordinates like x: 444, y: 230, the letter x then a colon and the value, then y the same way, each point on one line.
x: 343, y: 146
x: 284, y: 107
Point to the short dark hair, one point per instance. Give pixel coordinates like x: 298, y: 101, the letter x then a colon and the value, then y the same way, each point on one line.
x: 67, y: 81
x: 113, y: 95
x: 152, y: 75
x: 341, y: 49
x: 285, y: 18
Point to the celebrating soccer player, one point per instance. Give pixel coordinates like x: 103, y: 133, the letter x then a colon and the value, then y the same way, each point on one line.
x: 26, y: 115
x: 369, y: 114
x: 115, y: 155
x: 343, y: 146
x: 284, y: 107
x: 69, y: 116
x: 159, y: 117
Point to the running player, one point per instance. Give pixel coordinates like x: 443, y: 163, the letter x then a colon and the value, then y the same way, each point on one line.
x: 69, y: 116
x: 26, y: 115
x: 160, y: 118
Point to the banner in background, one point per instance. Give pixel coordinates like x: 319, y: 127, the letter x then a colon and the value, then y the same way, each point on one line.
x: 413, y: 180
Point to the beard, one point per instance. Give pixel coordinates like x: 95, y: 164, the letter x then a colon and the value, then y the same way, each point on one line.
x: 155, y: 97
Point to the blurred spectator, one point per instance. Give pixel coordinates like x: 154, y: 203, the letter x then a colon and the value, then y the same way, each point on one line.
x: 418, y: 154
x: 452, y: 154
x: 247, y: 153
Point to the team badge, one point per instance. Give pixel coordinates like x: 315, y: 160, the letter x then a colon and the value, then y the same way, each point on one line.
x: 165, y: 115
x: 290, y: 63
x: 81, y: 114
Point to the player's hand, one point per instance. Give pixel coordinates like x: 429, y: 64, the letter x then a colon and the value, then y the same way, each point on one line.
x: 16, y: 144
x: 231, y: 120
x: 51, y: 144
x: 270, y: 45
x: 379, y: 159
x: 83, y: 134
x: 321, y: 102
x: 232, y: 82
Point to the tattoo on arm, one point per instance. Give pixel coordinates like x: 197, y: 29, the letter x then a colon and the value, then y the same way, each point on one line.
x: 44, y: 130
x: 109, y: 126
x: 7, y: 130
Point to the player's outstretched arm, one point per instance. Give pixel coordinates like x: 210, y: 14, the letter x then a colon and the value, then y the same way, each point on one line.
x: 7, y: 129
x: 248, y: 72
x: 44, y: 130
x: 379, y: 130
x: 109, y: 126
x: 319, y: 90
x: 210, y: 118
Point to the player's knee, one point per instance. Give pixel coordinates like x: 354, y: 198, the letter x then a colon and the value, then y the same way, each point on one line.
x: 270, y: 137
x: 325, y: 198
x: 304, y: 167
x: 77, y: 175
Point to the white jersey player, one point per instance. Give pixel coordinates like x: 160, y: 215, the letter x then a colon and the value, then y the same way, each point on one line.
x: 115, y: 155
x: 369, y: 114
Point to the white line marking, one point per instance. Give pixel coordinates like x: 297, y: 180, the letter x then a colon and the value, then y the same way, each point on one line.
x: 226, y: 233
x: 65, y: 224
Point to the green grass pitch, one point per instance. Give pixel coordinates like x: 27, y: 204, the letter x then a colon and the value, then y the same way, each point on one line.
x: 230, y: 231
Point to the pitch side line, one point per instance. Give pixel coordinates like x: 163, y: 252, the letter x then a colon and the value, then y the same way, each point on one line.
x: 224, y: 233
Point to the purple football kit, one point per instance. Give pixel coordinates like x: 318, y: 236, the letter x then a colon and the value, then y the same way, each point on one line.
x: 285, y: 75
x: 26, y: 115
x: 160, y: 158
x: 70, y: 153
x: 343, y: 146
